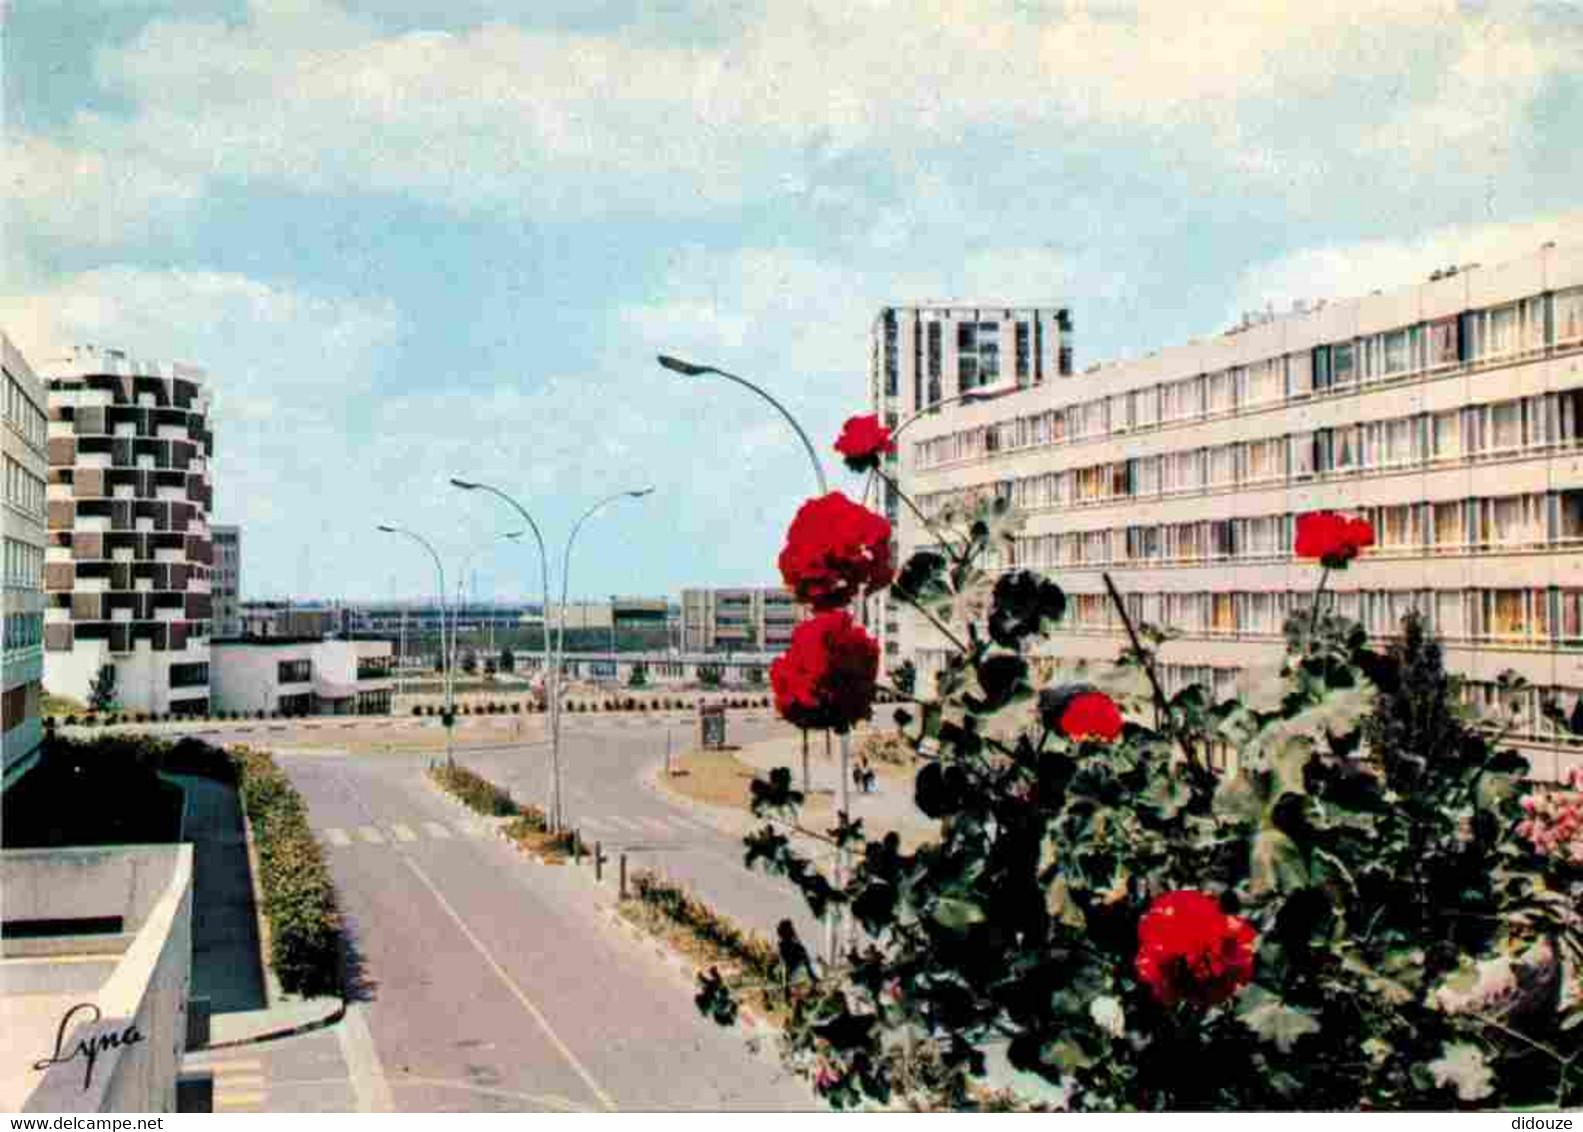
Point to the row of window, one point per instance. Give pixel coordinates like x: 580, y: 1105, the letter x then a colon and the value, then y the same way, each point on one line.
x: 24, y: 565
x: 294, y: 671
x: 977, y: 352
x: 23, y: 488
x: 1529, y: 521
x: 23, y: 415
x: 189, y: 675
x: 1518, y: 616
x: 1507, y: 331
x: 1523, y: 426
x: 23, y: 630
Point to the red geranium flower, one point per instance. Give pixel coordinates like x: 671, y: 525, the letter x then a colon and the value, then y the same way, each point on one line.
x: 825, y: 678
x: 1333, y: 539
x: 1191, y: 951
x: 862, y: 441
x: 835, y: 551
x: 1091, y: 715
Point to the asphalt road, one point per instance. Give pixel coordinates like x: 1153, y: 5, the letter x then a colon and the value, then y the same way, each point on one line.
x: 490, y: 983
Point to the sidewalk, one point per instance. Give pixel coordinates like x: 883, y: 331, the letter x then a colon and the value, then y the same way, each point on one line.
x: 888, y: 806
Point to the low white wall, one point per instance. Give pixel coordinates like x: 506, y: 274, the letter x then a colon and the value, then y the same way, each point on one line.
x: 141, y: 1026
x: 76, y: 883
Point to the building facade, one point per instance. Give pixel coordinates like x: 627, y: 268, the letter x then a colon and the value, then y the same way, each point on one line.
x: 1450, y: 414
x: 25, y: 444
x: 936, y: 354
x: 743, y: 619
x: 129, y: 556
x: 227, y: 579
x: 302, y: 676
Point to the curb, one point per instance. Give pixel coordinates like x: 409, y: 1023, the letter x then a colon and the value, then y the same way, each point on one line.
x: 272, y: 989
x: 335, y: 1011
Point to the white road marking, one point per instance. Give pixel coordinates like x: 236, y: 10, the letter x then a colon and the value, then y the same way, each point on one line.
x: 337, y: 837
x: 236, y: 1066
x: 603, y: 1097
x: 471, y: 829
x: 371, y: 835
x: 366, y: 1074
x: 657, y: 825
x: 238, y: 1082
x: 624, y: 823
x: 436, y: 830
x: 237, y: 1100
x: 593, y: 825
x: 403, y: 833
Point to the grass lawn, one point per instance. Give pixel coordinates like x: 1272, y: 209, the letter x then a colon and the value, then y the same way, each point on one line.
x: 719, y: 778
x: 60, y: 706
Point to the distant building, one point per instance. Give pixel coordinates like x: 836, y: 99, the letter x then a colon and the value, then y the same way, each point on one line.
x: 739, y: 619
x: 25, y: 442
x: 283, y: 619
x: 302, y: 675
x: 227, y: 579
x: 127, y: 571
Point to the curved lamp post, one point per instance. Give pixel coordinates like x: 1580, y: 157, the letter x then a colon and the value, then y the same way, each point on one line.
x: 445, y: 656
x: 691, y: 369
x: 544, y: 567
x: 560, y: 636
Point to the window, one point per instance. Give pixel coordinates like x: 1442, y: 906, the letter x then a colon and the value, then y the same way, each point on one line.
x: 1146, y: 407
x: 1222, y: 392
x: 1567, y: 315
x: 1343, y: 364
x: 1299, y: 375
x: 294, y: 671
x: 1395, y: 356
x: 1223, y: 466
x: 1514, y: 520
x: 1321, y: 358
x: 1264, y: 460
x: 1266, y: 381
x: 1300, y: 451
x: 1505, y: 426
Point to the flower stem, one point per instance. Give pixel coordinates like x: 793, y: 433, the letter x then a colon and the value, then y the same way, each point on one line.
x: 1161, y: 705
x: 1313, y: 617
x: 927, y: 524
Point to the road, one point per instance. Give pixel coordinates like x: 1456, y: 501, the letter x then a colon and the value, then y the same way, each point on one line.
x: 488, y: 982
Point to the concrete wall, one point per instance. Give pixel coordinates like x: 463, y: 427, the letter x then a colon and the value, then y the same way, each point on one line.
x: 149, y: 987
x: 142, y: 677
x: 49, y: 884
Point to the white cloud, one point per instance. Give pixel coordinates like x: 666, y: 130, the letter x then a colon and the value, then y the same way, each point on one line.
x: 1347, y: 271
x: 86, y: 196
x: 485, y: 119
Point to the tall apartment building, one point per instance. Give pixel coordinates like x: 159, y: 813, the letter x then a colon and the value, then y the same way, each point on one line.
x: 25, y: 443
x: 127, y: 570
x: 1450, y: 414
x: 937, y: 354
x: 226, y: 579
x: 739, y: 619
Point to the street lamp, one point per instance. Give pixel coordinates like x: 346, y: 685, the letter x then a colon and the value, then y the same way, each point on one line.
x: 560, y: 637
x: 692, y: 369
x: 544, y: 567
x: 450, y: 702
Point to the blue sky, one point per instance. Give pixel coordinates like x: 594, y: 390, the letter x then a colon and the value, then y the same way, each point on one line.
x: 411, y: 240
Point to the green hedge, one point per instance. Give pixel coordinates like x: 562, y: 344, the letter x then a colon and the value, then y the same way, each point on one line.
x: 757, y: 954
x: 477, y: 793
x: 299, y: 897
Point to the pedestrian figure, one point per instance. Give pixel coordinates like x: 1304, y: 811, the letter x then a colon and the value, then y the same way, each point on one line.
x: 868, y: 779
x: 857, y: 773
x: 794, y: 956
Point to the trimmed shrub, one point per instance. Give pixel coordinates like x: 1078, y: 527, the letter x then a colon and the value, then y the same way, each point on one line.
x: 757, y: 954
x: 474, y: 791
x: 516, y: 708
x: 417, y: 709
x: 49, y: 723
x: 299, y: 897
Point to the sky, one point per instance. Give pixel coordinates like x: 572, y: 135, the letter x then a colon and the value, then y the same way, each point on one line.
x: 417, y: 239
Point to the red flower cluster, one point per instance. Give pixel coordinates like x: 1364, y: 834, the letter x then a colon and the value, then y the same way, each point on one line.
x: 826, y: 677
x: 1191, y: 951
x: 862, y: 441
x: 1333, y: 539
x: 835, y: 551
x: 1091, y: 715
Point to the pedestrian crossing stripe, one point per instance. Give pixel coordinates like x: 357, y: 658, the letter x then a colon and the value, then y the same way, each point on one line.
x: 403, y: 833
x: 371, y: 835
x: 337, y: 837
x: 435, y: 829
x: 656, y: 825
x: 624, y: 823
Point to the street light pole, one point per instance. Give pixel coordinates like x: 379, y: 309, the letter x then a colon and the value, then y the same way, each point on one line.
x: 560, y: 636
x: 692, y: 369
x: 550, y: 690
x: 450, y: 699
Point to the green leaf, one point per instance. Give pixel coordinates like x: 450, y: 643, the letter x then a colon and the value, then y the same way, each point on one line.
x: 1062, y: 908
x: 1022, y: 603
x: 1167, y: 794
x: 1273, y: 1020
x: 955, y: 914
x: 922, y: 579
x: 1238, y: 800
x: 1276, y: 864
x: 1461, y: 1066
x: 1004, y: 679
x: 1066, y: 1055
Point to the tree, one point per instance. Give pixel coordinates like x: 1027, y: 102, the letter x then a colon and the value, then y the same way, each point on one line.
x: 709, y: 675
x: 469, y: 661
x: 489, y: 667
x: 755, y: 675
x: 1415, y: 717
x: 640, y: 675
x: 508, y: 660
x: 101, y: 695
